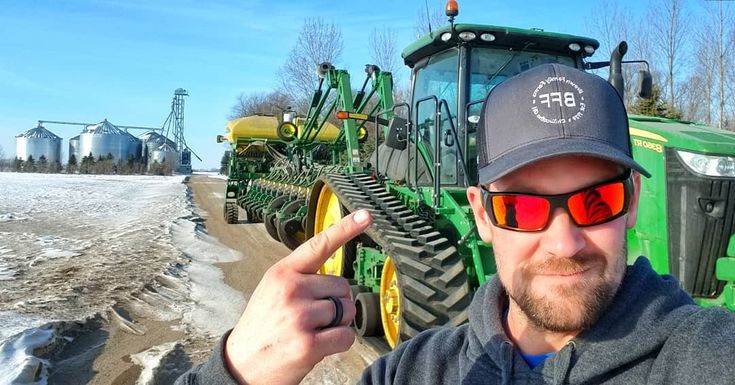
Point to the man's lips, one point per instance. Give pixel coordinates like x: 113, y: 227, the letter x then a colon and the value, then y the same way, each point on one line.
x: 565, y: 272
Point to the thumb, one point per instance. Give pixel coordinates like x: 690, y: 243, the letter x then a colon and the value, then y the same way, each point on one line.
x: 308, y: 257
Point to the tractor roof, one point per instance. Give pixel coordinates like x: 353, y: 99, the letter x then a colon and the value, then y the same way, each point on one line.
x: 504, y: 37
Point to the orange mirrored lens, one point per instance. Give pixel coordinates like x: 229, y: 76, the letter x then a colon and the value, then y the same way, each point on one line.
x: 598, y: 204
x: 523, y: 212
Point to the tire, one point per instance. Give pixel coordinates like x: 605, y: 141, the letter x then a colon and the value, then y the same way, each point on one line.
x: 269, y: 220
x: 357, y: 289
x: 231, y: 213
x: 290, y: 230
x: 367, y: 317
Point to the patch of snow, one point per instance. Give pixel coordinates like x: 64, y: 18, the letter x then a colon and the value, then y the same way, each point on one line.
x: 56, y: 253
x: 217, y: 305
x: 18, y: 365
x: 192, y: 239
x: 150, y: 360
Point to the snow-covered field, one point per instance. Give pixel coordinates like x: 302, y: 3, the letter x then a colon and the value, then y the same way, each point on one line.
x: 72, y: 247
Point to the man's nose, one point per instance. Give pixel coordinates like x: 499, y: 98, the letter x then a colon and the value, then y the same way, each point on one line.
x: 562, y: 238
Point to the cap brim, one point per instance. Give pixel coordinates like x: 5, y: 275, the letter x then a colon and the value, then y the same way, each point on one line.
x: 534, y: 152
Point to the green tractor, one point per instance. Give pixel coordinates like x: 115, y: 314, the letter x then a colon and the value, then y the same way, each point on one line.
x: 419, y: 263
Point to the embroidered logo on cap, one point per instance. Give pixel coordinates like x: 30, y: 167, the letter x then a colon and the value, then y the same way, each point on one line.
x: 557, y: 93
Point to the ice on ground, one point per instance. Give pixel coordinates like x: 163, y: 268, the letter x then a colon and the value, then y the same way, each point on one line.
x: 18, y: 365
x: 56, y: 253
x: 88, y: 244
x: 88, y: 241
x: 218, y: 306
x: 10, y: 217
x: 192, y: 239
x: 85, y: 243
x: 150, y: 360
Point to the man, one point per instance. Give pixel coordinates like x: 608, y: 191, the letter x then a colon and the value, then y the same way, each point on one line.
x: 558, y: 190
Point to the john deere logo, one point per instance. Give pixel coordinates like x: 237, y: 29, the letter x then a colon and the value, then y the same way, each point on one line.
x: 558, y: 100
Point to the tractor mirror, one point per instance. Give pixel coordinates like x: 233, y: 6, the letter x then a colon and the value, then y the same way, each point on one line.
x: 645, y: 84
x: 397, y: 133
x: 220, y: 139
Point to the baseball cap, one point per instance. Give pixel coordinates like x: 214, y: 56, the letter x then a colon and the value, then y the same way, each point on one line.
x: 548, y: 111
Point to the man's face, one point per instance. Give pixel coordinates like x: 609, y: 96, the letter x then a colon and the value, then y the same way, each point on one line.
x: 564, y: 276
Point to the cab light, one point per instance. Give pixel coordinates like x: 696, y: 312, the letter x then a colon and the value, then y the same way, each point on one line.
x: 589, y: 49
x: 487, y: 37
x: 467, y: 35
x: 575, y: 47
x: 709, y: 165
x: 446, y: 36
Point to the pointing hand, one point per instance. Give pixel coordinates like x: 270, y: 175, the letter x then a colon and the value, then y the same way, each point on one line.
x: 283, y: 331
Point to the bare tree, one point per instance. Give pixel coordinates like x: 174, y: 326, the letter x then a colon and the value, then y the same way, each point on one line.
x: 318, y: 42
x: 384, y: 49
x: 610, y: 25
x: 429, y: 18
x: 701, y: 85
x: 273, y: 103
x: 2, y: 153
x: 669, y: 30
x: 723, y: 38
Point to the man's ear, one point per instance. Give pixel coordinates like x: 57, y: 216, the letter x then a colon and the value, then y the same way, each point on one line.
x: 634, y: 199
x: 484, y: 227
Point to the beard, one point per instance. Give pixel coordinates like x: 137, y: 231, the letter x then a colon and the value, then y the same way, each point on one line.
x: 570, y: 307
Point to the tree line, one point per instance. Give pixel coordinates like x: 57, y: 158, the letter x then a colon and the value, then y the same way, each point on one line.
x: 692, y: 64
x: 102, y: 165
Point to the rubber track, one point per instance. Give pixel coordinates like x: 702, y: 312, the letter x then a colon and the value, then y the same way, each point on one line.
x: 433, y: 279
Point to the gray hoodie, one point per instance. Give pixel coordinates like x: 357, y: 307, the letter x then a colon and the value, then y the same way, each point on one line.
x: 652, y: 333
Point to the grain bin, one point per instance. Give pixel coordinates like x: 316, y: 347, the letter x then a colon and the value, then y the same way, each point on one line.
x: 37, y: 142
x: 105, y: 138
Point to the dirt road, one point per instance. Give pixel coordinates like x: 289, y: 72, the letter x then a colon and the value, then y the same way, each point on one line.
x: 259, y: 252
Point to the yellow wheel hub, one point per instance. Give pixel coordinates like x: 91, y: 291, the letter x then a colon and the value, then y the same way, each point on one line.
x: 329, y: 212
x: 390, y: 303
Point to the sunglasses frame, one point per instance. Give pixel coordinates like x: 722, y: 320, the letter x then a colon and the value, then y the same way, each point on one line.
x: 561, y: 200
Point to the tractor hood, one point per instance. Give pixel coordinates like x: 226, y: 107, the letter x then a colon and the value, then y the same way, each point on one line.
x: 683, y: 135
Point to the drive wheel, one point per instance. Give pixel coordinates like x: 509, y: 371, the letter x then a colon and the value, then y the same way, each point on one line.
x: 390, y: 303
x: 329, y: 211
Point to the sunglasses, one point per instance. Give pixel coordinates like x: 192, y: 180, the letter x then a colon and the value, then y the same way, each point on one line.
x: 589, y: 206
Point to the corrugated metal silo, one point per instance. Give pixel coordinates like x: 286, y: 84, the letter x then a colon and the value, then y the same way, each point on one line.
x: 106, y: 138
x: 151, y: 142
x: 74, y: 149
x: 165, y: 153
x: 37, y: 142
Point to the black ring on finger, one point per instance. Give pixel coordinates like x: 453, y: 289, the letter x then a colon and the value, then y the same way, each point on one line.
x: 338, y: 311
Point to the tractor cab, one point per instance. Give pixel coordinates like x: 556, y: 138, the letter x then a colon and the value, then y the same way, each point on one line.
x: 453, y: 70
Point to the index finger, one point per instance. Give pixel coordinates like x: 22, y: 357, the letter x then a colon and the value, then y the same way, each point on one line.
x: 311, y: 255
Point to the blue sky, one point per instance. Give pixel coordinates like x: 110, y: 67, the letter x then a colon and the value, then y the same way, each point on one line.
x: 84, y: 60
